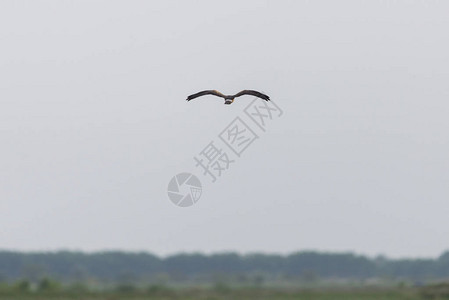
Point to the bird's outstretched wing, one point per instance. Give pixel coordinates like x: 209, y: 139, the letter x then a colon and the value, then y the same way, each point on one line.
x: 208, y: 92
x: 253, y: 93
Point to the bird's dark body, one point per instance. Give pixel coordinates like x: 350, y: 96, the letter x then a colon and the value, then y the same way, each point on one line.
x: 229, y: 98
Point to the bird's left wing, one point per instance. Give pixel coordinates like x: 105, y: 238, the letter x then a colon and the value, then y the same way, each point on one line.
x: 202, y: 93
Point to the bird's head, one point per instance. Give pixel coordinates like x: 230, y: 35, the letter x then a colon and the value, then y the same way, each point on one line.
x: 229, y: 101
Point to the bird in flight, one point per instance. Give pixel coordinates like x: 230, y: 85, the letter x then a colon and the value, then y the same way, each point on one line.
x: 229, y: 98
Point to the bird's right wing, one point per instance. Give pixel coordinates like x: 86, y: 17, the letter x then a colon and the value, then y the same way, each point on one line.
x: 253, y: 93
x: 208, y: 92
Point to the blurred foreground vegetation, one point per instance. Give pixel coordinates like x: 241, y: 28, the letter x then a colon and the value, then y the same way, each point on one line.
x: 50, y: 289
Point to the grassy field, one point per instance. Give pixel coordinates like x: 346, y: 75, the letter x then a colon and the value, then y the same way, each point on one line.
x: 52, y: 290
x: 204, y: 294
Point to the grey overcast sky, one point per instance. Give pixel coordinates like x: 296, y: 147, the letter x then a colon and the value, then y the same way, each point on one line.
x: 94, y: 124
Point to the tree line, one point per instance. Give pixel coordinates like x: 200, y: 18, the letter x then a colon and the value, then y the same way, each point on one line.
x: 122, y: 266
